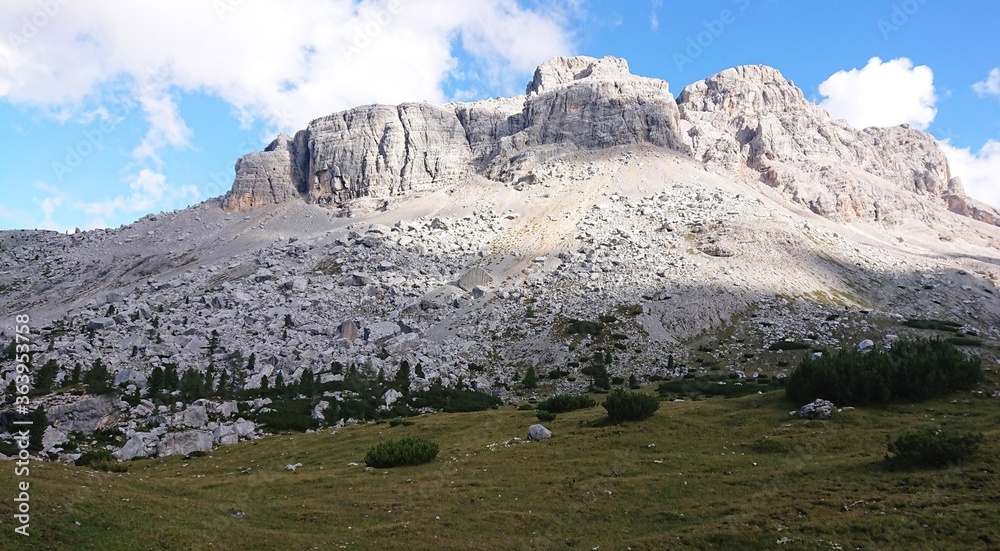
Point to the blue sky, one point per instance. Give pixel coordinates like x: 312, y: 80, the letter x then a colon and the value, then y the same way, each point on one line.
x: 111, y: 110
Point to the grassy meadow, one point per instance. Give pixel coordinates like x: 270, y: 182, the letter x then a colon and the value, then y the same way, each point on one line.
x: 715, y: 473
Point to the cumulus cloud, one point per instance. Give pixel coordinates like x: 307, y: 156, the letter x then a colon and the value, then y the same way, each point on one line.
x: 882, y: 94
x: 147, y: 190
x: 990, y: 86
x: 312, y: 57
x: 978, y: 170
x: 277, y: 63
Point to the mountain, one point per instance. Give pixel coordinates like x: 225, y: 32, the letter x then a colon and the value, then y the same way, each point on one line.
x: 595, y: 223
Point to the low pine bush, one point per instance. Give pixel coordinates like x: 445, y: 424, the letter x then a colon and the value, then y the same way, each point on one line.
x: 545, y: 416
x: 910, y: 370
x: 401, y: 453
x: 623, y: 405
x: 561, y: 403
x: 932, y: 447
x: 100, y: 460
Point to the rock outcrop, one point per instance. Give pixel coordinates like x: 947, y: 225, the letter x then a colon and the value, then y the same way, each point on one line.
x: 379, y: 151
x: 269, y: 177
x: 751, y: 118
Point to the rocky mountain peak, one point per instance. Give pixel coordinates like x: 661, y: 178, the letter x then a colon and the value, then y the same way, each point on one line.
x: 748, y: 121
x: 564, y: 71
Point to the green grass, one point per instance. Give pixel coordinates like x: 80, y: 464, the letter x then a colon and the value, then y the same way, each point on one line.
x: 717, y: 473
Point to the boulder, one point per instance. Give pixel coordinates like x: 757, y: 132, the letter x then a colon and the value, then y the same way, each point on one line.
x: 183, y: 443
x: 141, y: 444
x: 381, y: 332
x: 391, y: 396
x: 866, y: 344
x: 244, y: 428
x: 538, y: 432
x: 473, y: 278
x: 317, y: 412
x: 818, y: 409
x: 100, y: 323
x: 194, y: 417
x: 225, y: 434
x: 130, y: 377
x: 87, y: 415
x: 52, y: 438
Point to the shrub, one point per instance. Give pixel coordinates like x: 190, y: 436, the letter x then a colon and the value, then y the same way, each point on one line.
x: 453, y: 400
x: 933, y: 447
x: 545, y: 416
x: 562, y: 403
x: 911, y: 369
x: 965, y: 341
x: 530, y: 378
x: 400, y: 453
x: 623, y: 405
x: 581, y: 327
x: 788, y: 345
x: 400, y: 421
x: 289, y: 415
x: 932, y: 324
x: 101, y: 460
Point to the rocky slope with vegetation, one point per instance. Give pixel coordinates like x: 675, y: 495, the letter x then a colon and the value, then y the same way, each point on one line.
x: 392, y: 260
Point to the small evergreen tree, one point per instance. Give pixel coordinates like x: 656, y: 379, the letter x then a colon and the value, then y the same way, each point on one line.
x: 171, y: 381
x: 192, y: 385
x: 74, y: 378
x: 156, y: 381
x: 530, y: 378
x: 223, y: 389
x: 403, y: 373
x: 209, y: 379
x: 279, y: 384
x: 213, y: 342
x: 39, y: 422
x: 307, y: 383
x: 98, y: 379
x: 45, y: 377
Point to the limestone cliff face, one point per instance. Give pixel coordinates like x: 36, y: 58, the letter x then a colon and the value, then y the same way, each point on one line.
x: 751, y: 119
x: 382, y: 151
x: 268, y: 177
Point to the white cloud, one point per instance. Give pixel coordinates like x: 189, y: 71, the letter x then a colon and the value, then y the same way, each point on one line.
x: 148, y: 190
x: 980, y: 171
x: 882, y: 94
x: 49, y: 205
x: 166, y: 125
x: 654, y: 15
x: 990, y: 86
x: 281, y: 62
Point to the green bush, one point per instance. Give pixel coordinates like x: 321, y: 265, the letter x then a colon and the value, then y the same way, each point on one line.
x: 965, y: 341
x: 910, y: 370
x: 623, y: 405
x: 581, y: 327
x: 289, y: 415
x: 453, y: 400
x: 400, y: 453
x: 933, y: 447
x: 932, y: 324
x: 562, y: 403
x: 100, y: 460
x: 545, y: 416
x: 400, y: 421
x: 788, y: 345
